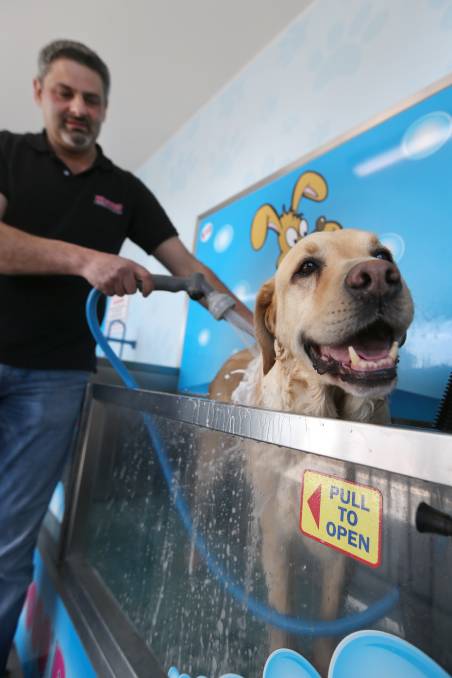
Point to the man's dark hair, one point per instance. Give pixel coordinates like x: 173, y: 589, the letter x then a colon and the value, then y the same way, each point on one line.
x: 76, y: 51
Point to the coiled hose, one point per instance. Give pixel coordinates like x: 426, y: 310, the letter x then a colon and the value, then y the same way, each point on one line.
x: 294, y: 625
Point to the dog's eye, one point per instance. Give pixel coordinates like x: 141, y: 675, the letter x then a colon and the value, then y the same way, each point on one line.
x: 308, y: 267
x: 382, y: 254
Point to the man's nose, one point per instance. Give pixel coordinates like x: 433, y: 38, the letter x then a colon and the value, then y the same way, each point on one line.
x: 78, y: 107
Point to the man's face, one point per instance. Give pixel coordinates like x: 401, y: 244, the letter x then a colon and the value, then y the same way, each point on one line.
x: 73, y: 104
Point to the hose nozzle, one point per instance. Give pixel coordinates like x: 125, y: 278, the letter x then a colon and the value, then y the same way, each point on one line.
x: 219, y: 304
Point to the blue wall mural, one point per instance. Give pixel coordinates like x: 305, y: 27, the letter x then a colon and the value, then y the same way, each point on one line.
x: 393, y: 179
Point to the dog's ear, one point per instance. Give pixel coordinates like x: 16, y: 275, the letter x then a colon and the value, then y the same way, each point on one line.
x: 264, y: 321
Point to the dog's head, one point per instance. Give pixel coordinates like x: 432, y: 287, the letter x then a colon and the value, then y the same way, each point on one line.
x: 338, y: 304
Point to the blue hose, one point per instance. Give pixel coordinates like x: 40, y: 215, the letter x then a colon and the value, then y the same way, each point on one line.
x: 294, y: 625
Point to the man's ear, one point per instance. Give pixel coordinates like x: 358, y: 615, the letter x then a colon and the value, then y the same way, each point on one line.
x: 37, y: 90
x: 264, y: 322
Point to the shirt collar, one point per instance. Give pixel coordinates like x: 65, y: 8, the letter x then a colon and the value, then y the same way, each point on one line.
x: 40, y: 143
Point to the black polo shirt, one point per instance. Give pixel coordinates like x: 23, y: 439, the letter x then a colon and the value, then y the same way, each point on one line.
x: 42, y: 318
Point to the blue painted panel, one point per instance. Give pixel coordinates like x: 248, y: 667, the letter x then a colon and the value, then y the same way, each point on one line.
x: 46, y: 640
x: 393, y: 179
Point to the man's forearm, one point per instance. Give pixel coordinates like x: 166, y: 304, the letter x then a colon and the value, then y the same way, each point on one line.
x: 25, y: 254
x: 22, y: 253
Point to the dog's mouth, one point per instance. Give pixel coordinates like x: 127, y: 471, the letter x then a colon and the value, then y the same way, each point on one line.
x: 368, y: 357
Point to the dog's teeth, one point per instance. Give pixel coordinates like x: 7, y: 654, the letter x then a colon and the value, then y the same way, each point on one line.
x: 354, y: 357
x: 394, y: 351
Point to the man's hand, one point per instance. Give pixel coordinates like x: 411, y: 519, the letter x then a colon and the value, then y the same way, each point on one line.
x: 112, y: 274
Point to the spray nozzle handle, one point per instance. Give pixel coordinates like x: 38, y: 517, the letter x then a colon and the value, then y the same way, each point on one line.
x: 197, y: 287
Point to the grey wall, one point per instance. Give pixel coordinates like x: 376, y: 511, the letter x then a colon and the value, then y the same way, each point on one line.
x: 167, y: 58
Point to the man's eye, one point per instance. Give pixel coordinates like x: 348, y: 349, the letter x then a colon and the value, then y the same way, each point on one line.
x: 383, y: 254
x: 64, y: 93
x: 307, y: 268
x: 92, y: 100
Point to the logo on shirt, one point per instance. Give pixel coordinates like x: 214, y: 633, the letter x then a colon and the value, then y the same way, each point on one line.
x: 115, y: 207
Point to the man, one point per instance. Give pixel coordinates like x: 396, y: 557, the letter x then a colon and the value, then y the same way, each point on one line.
x: 65, y: 211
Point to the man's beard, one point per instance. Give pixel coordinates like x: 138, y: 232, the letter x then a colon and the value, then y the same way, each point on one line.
x: 80, y: 138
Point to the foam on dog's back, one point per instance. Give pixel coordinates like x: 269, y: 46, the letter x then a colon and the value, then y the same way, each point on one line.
x: 245, y: 393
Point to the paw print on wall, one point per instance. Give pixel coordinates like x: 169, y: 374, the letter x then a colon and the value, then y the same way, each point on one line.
x: 438, y: 4
x: 444, y: 13
x: 446, y: 21
x: 287, y: 48
x: 344, y: 45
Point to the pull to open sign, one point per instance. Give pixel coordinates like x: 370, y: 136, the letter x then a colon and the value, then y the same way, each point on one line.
x: 344, y: 515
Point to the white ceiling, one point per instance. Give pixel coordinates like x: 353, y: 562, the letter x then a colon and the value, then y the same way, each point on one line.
x: 167, y: 58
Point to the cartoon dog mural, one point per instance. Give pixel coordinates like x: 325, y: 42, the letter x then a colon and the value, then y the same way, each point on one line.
x: 291, y: 225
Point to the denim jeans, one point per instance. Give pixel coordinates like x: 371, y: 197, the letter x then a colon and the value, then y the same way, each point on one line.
x: 39, y: 411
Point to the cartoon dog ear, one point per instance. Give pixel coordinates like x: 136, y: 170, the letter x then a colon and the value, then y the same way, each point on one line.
x: 323, y: 225
x: 264, y: 322
x: 265, y: 218
x: 310, y: 185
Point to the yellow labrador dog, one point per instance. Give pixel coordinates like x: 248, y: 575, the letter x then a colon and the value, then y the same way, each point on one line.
x: 328, y: 327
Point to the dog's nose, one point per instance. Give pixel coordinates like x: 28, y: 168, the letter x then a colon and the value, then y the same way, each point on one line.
x: 376, y: 278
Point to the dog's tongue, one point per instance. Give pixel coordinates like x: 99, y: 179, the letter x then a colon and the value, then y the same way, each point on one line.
x: 370, y: 349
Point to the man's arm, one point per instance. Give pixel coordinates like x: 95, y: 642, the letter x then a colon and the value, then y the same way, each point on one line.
x: 173, y: 254
x: 25, y: 254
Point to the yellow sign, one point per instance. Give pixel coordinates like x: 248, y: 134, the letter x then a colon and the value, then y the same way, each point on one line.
x: 344, y: 515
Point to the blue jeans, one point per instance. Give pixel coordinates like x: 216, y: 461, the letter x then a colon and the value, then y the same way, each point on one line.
x: 39, y: 411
